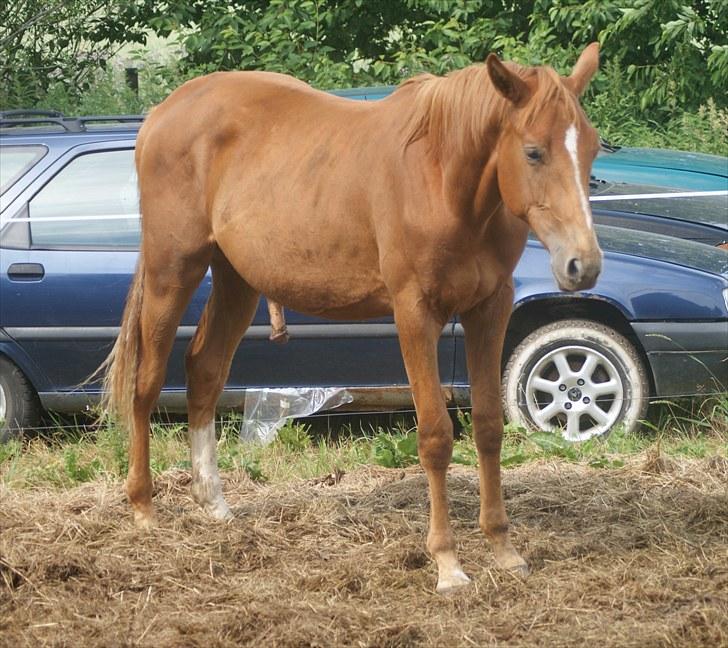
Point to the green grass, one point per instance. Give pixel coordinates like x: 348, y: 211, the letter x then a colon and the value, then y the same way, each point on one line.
x: 66, y: 457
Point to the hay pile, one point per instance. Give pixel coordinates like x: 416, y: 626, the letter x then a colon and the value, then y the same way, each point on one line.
x: 630, y: 557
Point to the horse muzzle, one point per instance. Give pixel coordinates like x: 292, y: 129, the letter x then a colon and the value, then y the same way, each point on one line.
x: 576, y: 272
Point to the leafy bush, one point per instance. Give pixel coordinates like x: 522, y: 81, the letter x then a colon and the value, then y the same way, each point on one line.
x: 663, y: 80
x: 44, y: 43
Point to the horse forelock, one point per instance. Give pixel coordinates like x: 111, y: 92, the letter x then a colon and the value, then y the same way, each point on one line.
x: 461, y: 108
x: 551, y: 93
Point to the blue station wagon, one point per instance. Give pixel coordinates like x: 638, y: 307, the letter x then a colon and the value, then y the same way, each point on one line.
x: 654, y: 326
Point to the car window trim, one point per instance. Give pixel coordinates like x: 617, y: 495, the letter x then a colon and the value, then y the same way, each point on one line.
x: 83, y: 248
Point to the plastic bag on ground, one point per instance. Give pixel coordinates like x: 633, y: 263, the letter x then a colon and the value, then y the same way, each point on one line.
x: 267, y: 410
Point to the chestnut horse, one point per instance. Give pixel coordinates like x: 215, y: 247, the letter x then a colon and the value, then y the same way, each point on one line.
x: 417, y: 205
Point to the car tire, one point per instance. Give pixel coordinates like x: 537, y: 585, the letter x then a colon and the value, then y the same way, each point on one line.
x: 577, y: 376
x: 19, y: 405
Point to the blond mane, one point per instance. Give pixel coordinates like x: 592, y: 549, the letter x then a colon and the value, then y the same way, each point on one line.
x: 462, y: 107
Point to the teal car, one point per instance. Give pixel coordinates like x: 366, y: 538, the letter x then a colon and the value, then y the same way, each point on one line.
x: 662, y: 168
x: 677, y: 193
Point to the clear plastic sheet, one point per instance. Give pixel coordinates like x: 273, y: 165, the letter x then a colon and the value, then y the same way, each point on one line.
x: 267, y: 410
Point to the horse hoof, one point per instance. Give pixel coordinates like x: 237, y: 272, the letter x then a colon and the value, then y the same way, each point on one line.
x: 144, y: 520
x: 452, y: 582
x: 521, y: 570
x: 511, y: 561
x: 219, y: 511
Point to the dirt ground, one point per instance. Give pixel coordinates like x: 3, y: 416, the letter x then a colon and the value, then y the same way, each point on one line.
x: 636, y: 556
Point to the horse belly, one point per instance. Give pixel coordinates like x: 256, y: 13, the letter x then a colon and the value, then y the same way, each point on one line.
x: 307, y: 264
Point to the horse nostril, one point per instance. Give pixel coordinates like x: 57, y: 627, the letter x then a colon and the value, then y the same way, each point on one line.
x: 573, y: 268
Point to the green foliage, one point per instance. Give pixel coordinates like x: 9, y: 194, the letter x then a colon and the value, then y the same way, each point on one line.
x: 234, y: 455
x: 395, y: 450
x: 675, y: 51
x: 253, y: 469
x: 49, y: 42
x: 465, y: 419
x: 294, y: 437
x: 69, y: 456
x: 664, y: 62
x: 114, y: 444
x: 10, y: 451
x: 690, y: 418
x: 464, y: 453
x: 78, y: 470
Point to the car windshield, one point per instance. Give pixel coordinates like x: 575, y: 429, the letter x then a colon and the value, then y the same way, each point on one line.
x: 708, y: 207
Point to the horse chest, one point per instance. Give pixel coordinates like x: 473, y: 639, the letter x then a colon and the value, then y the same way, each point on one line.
x: 457, y: 283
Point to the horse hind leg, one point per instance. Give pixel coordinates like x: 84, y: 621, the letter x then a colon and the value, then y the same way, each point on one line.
x: 166, y: 294
x: 228, y: 313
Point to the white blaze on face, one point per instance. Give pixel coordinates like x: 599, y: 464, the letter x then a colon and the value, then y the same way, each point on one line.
x: 571, y: 142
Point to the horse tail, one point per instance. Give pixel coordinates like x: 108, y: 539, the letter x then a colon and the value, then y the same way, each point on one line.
x: 120, y: 367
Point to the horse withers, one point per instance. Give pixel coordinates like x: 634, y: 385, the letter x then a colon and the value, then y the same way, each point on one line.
x: 417, y: 205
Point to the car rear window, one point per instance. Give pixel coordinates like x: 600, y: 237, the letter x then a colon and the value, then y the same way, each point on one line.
x: 15, y: 161
x: 92, y: 202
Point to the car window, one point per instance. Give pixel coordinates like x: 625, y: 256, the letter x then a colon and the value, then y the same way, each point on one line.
x: 91, y: 202
x: 15, y: 161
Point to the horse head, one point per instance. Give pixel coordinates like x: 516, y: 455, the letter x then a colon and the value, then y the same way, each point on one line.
x: 544, y: 157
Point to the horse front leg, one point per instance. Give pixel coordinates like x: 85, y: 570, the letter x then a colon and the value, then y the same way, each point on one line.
x: 485, y: 328
x: 419, y: 332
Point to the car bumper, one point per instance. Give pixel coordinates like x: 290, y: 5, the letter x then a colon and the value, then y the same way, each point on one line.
x: 686, y: 358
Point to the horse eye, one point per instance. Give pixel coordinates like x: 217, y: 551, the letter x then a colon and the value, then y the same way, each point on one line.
x: 533, y: 155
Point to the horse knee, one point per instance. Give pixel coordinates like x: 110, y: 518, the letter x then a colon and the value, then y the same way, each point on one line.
x: 434, y: 443
x: 487, y: 433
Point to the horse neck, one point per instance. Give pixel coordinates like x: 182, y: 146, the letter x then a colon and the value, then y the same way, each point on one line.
x: 455, y: 113
x: 457, y: 120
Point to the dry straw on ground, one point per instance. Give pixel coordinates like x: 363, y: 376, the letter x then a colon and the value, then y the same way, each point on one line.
x: 631, y: 557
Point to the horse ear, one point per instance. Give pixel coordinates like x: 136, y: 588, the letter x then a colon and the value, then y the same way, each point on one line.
x: 508, y: 83
x: 585, y: 68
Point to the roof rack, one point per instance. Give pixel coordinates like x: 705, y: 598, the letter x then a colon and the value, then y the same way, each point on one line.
x: 22, y: 117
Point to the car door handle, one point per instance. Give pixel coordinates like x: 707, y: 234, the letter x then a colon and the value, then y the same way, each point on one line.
x: 26, y: 272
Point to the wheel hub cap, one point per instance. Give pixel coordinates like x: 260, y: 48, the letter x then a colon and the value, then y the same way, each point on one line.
x: 575, y: 389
